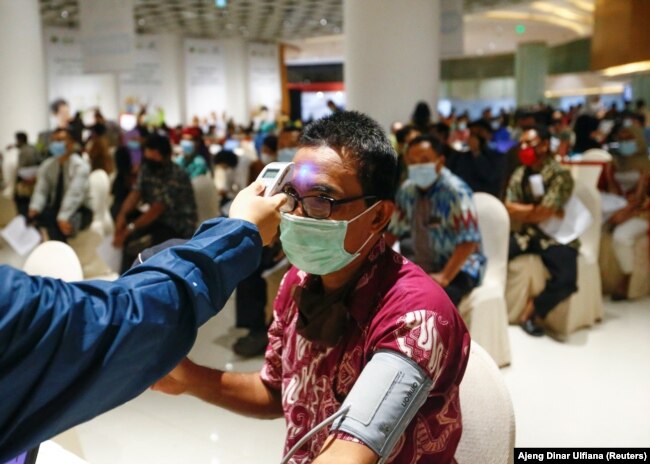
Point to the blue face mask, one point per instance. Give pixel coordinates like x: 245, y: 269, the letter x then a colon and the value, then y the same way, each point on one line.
x: 423, y: 175
x: 628, y: 147
x: 316, y: 246
x: 187, y: 146
x: 57, y: 148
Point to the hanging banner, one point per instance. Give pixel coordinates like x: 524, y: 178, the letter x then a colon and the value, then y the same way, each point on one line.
x: 451, y: 28
x: 205, y: 77
x: 264, y: 87
x: 66, y: 78
x: 144, y: 85
x: 108, y: 35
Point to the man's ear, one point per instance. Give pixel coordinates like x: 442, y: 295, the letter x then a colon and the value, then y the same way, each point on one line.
x: 382, y: 215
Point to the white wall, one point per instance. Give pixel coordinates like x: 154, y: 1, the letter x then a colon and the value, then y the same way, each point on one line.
x: 22, y: 70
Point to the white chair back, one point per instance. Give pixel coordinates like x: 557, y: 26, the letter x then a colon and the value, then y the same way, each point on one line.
x: 206, y: 196
x: 9, y: 172
x: 488, y: 417
x: 100, y: 189
x: 494, y: 224
x: 54, y: 259
x: 590, y: 239
x: 588, y: 174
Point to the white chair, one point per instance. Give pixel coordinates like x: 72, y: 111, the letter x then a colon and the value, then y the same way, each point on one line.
x: 488, y: 416
x: 100, y: 195
x: 527, y: 277
x: 9, y: 171
x: 484, y: 310
x: 87, y: 242
x: 611, y: 273
x: 588, y: 173
x: 207, y: 198
x: 54, y: 259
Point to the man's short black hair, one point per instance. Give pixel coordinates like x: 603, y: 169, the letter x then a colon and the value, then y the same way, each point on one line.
x: 432, y: 140
x: 21, y: 137
x: 66, y: 130
x: 361, y: 140
x: 271, y: 141
x: 443, y: 130
x: 226, y: 157
x: 57, y: 104
x: 159, y: 143
x: 401, y: 134
x: 481, y: 124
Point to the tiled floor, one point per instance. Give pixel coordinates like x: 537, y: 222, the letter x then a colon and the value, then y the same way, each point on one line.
x: 592, y: 390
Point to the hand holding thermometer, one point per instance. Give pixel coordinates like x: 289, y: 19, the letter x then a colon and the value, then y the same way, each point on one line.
x: 274, y: 176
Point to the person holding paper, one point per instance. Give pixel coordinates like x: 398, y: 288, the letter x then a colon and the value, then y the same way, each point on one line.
x: 537, y: 191
x: 71, y: 351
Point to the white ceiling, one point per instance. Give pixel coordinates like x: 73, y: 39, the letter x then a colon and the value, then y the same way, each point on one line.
x: 315, y: 27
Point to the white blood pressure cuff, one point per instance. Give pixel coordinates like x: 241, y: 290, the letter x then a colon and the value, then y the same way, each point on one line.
x: 383, y: 401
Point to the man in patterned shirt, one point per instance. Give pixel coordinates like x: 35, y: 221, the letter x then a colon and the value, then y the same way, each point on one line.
x: 436, y: 208
x: 166, y: 188
x: 347, y: 297
x: 537, y: 191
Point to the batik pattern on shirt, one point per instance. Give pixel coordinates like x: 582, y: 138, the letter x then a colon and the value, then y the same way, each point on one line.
x: 394, y: 306
x: 451, y: 220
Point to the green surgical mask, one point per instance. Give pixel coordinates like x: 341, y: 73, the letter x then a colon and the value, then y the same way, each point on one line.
x: 316, y: 246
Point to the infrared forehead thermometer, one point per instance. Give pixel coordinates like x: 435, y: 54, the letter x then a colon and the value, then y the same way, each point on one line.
x: 274, y: 176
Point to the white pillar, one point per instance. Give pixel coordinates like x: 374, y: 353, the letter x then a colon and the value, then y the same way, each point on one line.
x: 236, y: 57
x: 173, y: 78
x: 392, y: 56
x: 22, y: 80
x: 531, y: 68
x: 640, y: 84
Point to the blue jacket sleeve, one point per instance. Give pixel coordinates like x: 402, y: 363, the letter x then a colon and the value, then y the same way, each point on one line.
x: 71, y: 351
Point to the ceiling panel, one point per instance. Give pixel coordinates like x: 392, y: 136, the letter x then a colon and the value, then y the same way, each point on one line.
x: 254, y: 19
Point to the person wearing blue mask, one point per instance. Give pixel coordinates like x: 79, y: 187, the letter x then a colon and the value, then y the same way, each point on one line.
x: 61, y: 199
x: 347, y: 302
x: 191, y: 160
x: 435, y: 208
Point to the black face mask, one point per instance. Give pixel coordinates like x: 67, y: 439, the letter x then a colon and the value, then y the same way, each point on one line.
x: 324, y: 318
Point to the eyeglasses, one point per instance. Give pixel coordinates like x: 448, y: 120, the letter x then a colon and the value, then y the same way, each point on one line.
x: 529, y: 143
x: 316, y: 206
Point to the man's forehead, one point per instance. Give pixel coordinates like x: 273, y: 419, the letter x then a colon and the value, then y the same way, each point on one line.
x: 321, y: 167
x: 529, y: 135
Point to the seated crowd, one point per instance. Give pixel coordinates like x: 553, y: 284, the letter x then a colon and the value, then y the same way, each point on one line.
x: 351, y: 302
x: 516, y: 157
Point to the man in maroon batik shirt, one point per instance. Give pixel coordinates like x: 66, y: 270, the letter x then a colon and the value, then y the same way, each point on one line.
x: 347, y: 297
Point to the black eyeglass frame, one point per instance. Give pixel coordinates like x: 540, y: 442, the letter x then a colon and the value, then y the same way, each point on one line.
x: 296, y: 199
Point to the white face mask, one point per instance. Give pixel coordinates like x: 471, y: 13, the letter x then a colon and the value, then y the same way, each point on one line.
x: 423, y: 175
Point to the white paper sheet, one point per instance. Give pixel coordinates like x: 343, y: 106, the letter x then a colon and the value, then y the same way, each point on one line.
x: 28, y: 173
x: 21, y: 237
x: 576, y: 220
